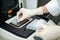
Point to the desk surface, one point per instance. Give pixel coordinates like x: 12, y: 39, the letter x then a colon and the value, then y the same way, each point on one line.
x: 11, y: 36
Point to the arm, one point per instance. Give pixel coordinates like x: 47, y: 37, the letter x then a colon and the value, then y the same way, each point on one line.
x: 45, y: 9
x: 53, y: 7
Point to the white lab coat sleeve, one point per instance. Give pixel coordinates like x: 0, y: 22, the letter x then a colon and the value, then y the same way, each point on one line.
x: 53, y: 7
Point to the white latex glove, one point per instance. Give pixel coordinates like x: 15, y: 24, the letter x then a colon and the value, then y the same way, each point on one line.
x: 27, y: 13
x: 49, y: 32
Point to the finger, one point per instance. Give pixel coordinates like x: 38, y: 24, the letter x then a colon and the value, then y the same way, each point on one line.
x: 21, y: 18
x: 40, y: 30
x: 18, y: 14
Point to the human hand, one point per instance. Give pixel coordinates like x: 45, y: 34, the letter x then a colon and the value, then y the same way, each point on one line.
x: 27, y: 13
x: 49, y: 32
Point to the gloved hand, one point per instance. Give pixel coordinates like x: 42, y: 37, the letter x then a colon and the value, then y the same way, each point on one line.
x: 27, y: 13
x: 49, y: 32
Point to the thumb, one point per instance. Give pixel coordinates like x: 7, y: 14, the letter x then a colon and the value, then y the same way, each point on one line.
x: 21, y: 19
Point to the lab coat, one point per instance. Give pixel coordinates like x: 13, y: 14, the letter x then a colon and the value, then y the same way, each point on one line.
x: 53, y: 7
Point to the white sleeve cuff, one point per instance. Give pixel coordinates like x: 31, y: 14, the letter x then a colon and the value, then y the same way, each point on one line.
x: 53, y: 7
